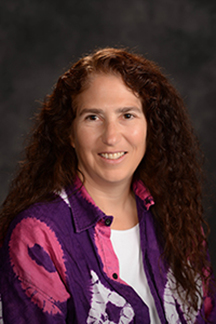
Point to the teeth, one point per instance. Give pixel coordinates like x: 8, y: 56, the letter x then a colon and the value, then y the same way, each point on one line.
x: 112, y: 156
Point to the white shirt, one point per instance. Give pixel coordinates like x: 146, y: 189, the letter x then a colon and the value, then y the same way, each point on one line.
x: 127, y: 247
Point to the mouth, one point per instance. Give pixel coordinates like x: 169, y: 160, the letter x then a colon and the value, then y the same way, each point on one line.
x: 112, y: 156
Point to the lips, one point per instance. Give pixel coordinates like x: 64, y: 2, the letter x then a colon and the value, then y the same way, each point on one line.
x: 112, y: 156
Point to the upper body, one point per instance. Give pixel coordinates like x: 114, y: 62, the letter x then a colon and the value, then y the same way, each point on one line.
x: 112, y: 122
x: 59, y: 266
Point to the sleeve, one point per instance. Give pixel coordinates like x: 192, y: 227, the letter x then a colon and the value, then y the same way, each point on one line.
x: 210, y: 302
x: 33, y: 278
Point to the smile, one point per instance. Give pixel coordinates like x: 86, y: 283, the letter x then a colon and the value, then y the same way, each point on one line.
x: 112, y: 156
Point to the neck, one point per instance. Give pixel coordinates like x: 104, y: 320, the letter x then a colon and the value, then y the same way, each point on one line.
x: 117, y: 200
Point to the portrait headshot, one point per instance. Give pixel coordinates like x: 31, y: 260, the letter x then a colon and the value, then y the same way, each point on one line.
x: 108, y: 163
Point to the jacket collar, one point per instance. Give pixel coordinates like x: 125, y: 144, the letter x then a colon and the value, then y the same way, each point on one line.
x: 142, y: 192
x: 85, y: 212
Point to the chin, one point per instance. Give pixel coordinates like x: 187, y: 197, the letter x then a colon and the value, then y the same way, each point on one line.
x: 115, y: 179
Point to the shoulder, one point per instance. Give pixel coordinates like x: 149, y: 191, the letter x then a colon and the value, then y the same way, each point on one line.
x: 44, y: 217
x: 37, y: 232
x: 47, y: 211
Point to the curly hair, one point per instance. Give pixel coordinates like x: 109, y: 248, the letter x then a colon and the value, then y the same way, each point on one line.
x: 170, y: 169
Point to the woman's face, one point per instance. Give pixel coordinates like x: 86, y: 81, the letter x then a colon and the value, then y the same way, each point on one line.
x: 109, y: 131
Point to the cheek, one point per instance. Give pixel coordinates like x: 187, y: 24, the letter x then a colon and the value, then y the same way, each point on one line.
x: 139, y: 136
x: 77, y: 137
x: 84, y: 140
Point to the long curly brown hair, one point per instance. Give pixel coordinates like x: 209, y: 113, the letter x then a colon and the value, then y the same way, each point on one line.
x: 171, y: 167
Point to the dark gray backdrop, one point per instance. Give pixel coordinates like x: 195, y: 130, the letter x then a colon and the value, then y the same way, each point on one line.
x: 39, y: 38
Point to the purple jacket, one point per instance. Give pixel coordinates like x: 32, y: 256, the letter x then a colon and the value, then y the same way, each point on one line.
x: 59, y: 266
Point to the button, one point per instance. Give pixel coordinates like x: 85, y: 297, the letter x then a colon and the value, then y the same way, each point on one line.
x: 115, y: 276
x: 147, y: 201
x: 108, y: 221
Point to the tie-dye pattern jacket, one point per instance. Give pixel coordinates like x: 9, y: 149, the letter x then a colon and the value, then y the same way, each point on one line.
x: 58, y: 266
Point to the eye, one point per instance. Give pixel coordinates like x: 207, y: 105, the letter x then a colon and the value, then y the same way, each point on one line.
x: 91, y: 117
x: 128, y: 116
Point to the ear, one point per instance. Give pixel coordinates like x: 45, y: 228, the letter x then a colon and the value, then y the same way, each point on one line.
x: 72, y: 141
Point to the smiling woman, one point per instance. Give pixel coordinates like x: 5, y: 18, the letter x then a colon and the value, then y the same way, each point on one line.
x: 109, y: 137
x: 104, y: 221
x: 109, y: 132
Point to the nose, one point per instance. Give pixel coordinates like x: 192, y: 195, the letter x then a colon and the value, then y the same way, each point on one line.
x: 111, y: 133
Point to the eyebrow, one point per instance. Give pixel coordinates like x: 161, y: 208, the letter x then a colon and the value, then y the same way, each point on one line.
x: 127, y: 109
x: 99, y: 111
x: 90, y: 111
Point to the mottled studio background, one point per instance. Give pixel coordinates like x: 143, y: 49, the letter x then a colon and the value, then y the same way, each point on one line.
x: 39, y: 38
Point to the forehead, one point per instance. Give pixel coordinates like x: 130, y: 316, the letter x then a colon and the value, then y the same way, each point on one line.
x: 107, y: 89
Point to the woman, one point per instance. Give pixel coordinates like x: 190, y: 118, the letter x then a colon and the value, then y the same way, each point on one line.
x: 104, y: 221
